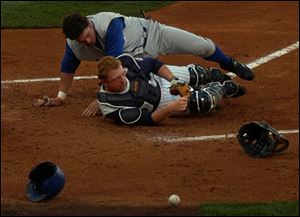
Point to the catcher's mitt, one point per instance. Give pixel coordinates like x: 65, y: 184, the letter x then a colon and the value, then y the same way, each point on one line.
x: 181, y: 89
x: 259, y: 139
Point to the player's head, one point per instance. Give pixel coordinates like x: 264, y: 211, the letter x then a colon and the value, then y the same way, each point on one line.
x: 112, y: 74
x: 77, y: 27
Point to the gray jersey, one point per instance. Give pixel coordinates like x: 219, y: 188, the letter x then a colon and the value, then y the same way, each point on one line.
x: 143, y: 37
x: 134, y: 36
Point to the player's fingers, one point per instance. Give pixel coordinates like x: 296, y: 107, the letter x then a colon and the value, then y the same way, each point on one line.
x: 184, y: 106
x: 90, y: 111
x: 185, y: 98
x: 52, y: 101
x: 85, y: 113
x: 38, y: 102
x: 94, y: 113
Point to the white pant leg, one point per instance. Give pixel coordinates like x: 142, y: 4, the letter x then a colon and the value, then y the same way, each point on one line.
x: 163, y: 39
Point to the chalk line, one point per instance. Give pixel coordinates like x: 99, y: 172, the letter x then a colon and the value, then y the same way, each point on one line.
x: 211, y: 137
x: 269, y: 57
x: 252, y: 65
x: 44, y: 79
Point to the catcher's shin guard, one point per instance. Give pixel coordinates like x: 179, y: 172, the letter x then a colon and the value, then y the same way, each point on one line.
x: 233, y: 89
x: 206, y: 99
x: 201, y: 76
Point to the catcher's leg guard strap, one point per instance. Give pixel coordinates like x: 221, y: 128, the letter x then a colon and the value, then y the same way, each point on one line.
x: 201, y: 76
x: 206, y: 99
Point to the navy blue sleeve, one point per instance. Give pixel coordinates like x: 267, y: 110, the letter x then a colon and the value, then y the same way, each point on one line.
x: 145, y: 118
x: 149, y: 64
x: 114, y: 40
x: 69, y: 63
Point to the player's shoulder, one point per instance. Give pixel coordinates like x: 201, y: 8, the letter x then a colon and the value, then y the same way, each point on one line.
x: 129, y: 61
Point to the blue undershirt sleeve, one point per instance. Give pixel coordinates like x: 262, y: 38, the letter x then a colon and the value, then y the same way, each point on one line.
x: 115, y: 38
x: 149, y: 64
x: 70, y: 62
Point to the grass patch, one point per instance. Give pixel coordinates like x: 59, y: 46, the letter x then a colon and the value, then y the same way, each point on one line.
x: 49, y: 14
x: 254, y: 209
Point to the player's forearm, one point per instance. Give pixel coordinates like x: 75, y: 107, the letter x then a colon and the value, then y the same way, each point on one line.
x: 161, y: 114
x: 65, y: 82
x: 179, y: 105
x: 165, y: 72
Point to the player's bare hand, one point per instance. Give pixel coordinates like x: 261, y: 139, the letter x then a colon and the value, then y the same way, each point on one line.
x: 180, y: 104
x: 47, y: 101
x: 92, y: 109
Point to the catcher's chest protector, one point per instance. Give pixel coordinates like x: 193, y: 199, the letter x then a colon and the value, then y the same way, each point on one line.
x: 144, y: 90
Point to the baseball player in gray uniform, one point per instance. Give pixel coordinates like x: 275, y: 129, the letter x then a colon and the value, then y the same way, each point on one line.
x: 112, y: 34
x: 136, y: 91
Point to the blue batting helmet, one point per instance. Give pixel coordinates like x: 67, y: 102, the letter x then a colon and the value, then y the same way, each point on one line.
x: 46, y: 181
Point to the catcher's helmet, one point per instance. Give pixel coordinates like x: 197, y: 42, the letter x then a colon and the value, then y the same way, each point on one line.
x: 46, y: 181
x: 259, y: 139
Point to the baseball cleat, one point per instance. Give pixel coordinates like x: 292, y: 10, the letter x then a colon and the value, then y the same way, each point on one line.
x: 241, y: 70
x: 233, y: 89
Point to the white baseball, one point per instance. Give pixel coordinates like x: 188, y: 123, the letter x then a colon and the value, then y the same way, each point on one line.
x: 174, y: 200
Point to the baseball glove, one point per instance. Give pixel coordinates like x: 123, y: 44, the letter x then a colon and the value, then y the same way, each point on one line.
x: 45, y: 101
x: 181, y: 89
x: 259, y: 139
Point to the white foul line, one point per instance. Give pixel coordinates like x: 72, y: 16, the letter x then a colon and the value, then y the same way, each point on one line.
x: 44, y: 79
x: 252, y: 65
x: 269, y: 57
x: 273, y: 55
x: 212, y: 137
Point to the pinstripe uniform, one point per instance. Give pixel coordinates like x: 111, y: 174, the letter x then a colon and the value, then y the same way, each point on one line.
x: 120, y: 105
x: 180, y: 72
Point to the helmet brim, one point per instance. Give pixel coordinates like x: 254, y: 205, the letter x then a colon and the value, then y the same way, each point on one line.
x: 32, y: 194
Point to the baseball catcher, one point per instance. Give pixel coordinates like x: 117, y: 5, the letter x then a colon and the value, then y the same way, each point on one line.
x: 259, y: 139
x: 146, y: 91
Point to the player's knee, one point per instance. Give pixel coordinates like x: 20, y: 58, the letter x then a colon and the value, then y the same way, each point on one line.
x: 198, y: 75
x: 208, y: 48
x: 199, y: 102
x: 201, y: 46
x: 201, y: 76
x: 206, y: 99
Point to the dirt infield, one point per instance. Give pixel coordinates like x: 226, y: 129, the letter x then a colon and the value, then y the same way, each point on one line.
x: 113, y: 170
